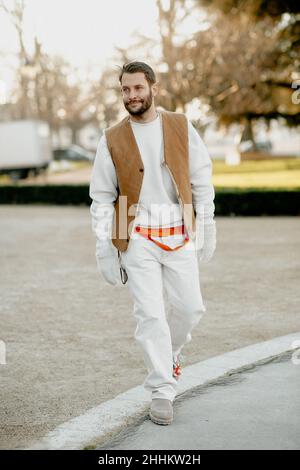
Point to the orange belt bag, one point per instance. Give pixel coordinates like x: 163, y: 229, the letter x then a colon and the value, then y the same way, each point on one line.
x: 149, y: 232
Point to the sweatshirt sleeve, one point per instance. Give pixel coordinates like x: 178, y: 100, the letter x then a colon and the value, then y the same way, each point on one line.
x: 203, y: 192
x: 103, y: 191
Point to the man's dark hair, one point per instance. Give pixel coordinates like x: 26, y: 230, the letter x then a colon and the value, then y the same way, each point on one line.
x: 134, y: 67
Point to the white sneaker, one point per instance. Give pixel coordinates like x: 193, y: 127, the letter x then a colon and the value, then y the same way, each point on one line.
x: 161, y: 411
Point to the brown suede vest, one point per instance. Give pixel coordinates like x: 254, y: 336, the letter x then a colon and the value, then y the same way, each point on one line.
x: 130, y: 171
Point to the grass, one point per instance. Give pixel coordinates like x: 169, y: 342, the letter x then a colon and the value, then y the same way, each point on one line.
x: 279, y: 174
x: 257, y: 166
x: 269, y: 174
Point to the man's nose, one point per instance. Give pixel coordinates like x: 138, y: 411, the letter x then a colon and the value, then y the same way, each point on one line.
x: 132, y: 94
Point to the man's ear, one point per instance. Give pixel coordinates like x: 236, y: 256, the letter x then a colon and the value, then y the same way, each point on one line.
x: 155, y: 88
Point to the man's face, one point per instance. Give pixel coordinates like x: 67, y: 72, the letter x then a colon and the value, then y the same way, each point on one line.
x: 137, y: 94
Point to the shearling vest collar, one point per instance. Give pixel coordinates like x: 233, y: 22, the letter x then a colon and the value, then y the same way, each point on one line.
x: 129, y: 167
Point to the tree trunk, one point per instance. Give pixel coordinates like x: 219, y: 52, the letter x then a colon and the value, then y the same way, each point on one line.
x: 74, y: 135
x: 247, y: 133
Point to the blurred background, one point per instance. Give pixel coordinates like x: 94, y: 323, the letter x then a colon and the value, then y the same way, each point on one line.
x: 232, y: 66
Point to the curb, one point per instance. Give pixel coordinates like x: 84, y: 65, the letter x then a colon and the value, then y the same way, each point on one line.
x: 104, y: 421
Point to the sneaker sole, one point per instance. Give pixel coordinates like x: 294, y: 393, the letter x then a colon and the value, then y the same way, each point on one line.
x: 160, y: 420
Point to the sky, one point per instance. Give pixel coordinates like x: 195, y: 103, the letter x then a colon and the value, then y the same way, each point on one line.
x: 82, y: 31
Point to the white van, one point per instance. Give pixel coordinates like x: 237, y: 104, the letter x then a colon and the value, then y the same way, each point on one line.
x: 25, y: 146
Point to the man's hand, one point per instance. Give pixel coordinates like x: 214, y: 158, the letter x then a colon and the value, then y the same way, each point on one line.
x: 108, y: 263
x: 209, y: 243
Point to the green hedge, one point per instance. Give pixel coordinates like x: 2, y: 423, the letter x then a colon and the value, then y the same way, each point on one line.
x: 227, y: 201
x: 257, y: 202
x: 62, y: 194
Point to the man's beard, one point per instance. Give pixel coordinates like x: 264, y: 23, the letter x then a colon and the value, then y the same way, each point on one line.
x: 142, y: 107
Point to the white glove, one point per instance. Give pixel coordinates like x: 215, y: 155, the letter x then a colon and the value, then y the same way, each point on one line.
x: 107, y: 262
x: 209, y: 242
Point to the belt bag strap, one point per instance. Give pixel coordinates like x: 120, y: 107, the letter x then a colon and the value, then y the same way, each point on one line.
x: 147, y: 232
x: 166, y: 247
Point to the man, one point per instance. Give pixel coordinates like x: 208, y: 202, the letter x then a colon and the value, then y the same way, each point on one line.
x: 152, y: 201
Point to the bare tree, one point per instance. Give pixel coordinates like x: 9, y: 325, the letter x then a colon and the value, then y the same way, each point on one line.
x: 16, y: 16
x: 176, y: 91
x: 275, y: 63
x: 237, y: 64
x: 43, y: 89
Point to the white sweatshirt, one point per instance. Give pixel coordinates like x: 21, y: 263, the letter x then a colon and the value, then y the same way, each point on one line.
x: 158, y: 204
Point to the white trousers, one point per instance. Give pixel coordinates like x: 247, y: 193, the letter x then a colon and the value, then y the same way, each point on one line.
x: 161, y: 333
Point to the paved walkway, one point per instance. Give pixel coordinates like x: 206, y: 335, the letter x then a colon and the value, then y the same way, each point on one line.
x: 123, y: 422
x: 69, y: 337
x: 255, y: 409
